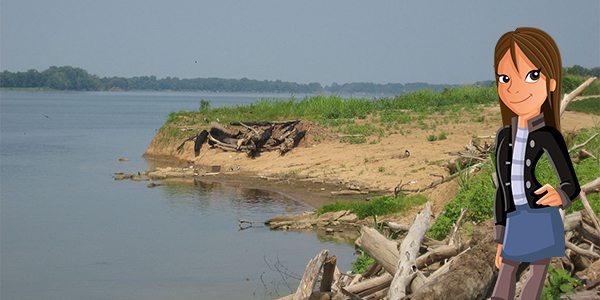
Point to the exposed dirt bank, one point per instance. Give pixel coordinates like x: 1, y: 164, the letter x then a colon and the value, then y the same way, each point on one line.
x: 322, y: 164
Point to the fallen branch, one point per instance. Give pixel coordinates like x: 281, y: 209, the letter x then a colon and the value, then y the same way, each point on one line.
x: 438, y: 254
x: 409, y: 249
x: 249, y: 222
x: 569, y: 97
x: 584, y: 143
x: 469, y: 170
x: 454, y: 237
x: 583, y: 252
x: 369, y: 285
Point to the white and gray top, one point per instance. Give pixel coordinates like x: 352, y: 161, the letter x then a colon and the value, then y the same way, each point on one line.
x: 518, y: 166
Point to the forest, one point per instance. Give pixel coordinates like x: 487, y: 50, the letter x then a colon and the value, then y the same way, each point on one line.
x: 77, y: 79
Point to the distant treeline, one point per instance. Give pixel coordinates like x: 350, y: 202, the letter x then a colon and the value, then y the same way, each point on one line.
x: 70, y: 78
x: 77, y: 79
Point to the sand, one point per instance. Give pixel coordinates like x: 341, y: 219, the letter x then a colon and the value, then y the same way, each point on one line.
x: 322, y: 163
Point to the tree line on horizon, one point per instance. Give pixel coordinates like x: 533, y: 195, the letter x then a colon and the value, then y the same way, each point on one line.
x: 78, y: 79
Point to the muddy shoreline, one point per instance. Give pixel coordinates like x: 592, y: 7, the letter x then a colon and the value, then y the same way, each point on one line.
x: 314, y: 192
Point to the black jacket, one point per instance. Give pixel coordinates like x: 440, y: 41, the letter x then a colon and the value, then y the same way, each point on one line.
x: 541, y: 139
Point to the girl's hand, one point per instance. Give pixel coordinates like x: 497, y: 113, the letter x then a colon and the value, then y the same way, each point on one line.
x: 551, y: 199
x: 498, y: 257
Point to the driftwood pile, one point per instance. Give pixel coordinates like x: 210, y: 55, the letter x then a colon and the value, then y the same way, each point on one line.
x: 418, y: 268
x: 252, y: 138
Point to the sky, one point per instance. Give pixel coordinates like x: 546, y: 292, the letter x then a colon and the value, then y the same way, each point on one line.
x: 325, y: 41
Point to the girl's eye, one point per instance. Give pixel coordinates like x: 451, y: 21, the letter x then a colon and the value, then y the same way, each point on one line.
x: 533, y: 76
x: 503, y: 78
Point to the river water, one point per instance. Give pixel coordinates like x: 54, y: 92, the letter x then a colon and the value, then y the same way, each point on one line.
x: 69, y: 231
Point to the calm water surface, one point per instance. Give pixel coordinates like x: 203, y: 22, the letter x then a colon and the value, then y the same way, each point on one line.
x: 69, y: 231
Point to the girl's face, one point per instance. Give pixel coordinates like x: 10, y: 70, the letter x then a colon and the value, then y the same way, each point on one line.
x: 523, y: 90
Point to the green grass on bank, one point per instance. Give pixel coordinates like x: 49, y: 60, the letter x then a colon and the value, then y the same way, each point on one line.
x: 589, y: 105
x: 477, y: 193
x: 338, y: 113
x: 376, y: 207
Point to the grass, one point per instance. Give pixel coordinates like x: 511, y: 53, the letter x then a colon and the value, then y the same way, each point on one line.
x: 336, y: 112
x: 589, y: 105
x: 376, y: 207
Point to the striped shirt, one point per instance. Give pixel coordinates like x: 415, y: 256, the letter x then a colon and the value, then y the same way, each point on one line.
x: 518, y: 166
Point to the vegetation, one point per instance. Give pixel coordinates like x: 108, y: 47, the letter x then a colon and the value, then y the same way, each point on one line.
x: 361, y: 264
x: 589, y: 105
x: 477, y: 193
x: 560, y: 282
x: 340, y: 115
x: 376, y: 207
x: 71, y: 78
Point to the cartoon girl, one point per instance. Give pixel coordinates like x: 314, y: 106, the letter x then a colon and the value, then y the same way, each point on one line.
x: 528, y: 226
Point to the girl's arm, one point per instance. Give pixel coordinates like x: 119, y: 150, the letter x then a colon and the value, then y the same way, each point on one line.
x: 568, y: 189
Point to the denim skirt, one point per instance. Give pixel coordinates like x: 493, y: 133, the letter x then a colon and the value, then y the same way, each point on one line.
x: 533, y: 234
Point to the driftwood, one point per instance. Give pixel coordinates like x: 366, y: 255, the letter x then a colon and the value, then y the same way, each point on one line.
x: 467, y: 171
x: 442, y: 271
x: 439, y: 254
x: 382, y: 250
x: 406, y: 269
x: 309, y: 279
x: 254, y: 137
x: 328, y: 274
x: 473, y: 272
x: 348, y: 193
x: 369, y: 286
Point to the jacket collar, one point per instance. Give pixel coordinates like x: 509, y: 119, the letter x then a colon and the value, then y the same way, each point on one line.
x: 533, y: 124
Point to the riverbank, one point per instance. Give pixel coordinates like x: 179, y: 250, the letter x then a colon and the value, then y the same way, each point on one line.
x: 321, y: 164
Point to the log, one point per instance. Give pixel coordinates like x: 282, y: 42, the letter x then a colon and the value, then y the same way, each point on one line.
x: 372, y: 270
x: 328, y: 272
x: 309, y: 279
x: 567, y: 98
x: 439, y: 254
x: 582, y: 295
x: 397, y: 227
x: 409, y: 249
x: 472, y: 273
x: 587, y: 253
x: 572, y: 221
x: 591, y: 187
x: 375, y: 283
x: 382, y: 250
x: 377, y: 295
x: 348, y: 193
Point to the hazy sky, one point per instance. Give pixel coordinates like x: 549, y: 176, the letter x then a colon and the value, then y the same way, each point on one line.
x: 302, y: 41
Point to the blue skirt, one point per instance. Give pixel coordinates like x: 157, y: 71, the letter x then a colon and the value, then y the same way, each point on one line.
x: 533, y: 234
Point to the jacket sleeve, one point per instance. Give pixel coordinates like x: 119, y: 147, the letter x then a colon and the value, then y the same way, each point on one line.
x: 499, y: 217
x: 557, y: 153
x: 499, y: 201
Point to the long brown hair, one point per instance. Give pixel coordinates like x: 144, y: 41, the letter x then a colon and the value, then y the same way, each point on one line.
x: 542, y: 51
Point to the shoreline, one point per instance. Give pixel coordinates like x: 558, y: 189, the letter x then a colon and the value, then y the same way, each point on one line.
x: 313, y: 192
x: 321, y: 164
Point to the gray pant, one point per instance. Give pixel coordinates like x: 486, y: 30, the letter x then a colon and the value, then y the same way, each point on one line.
x: 507, y: 280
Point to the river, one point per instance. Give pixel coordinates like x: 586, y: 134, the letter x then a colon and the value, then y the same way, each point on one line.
x: 68, y: 230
